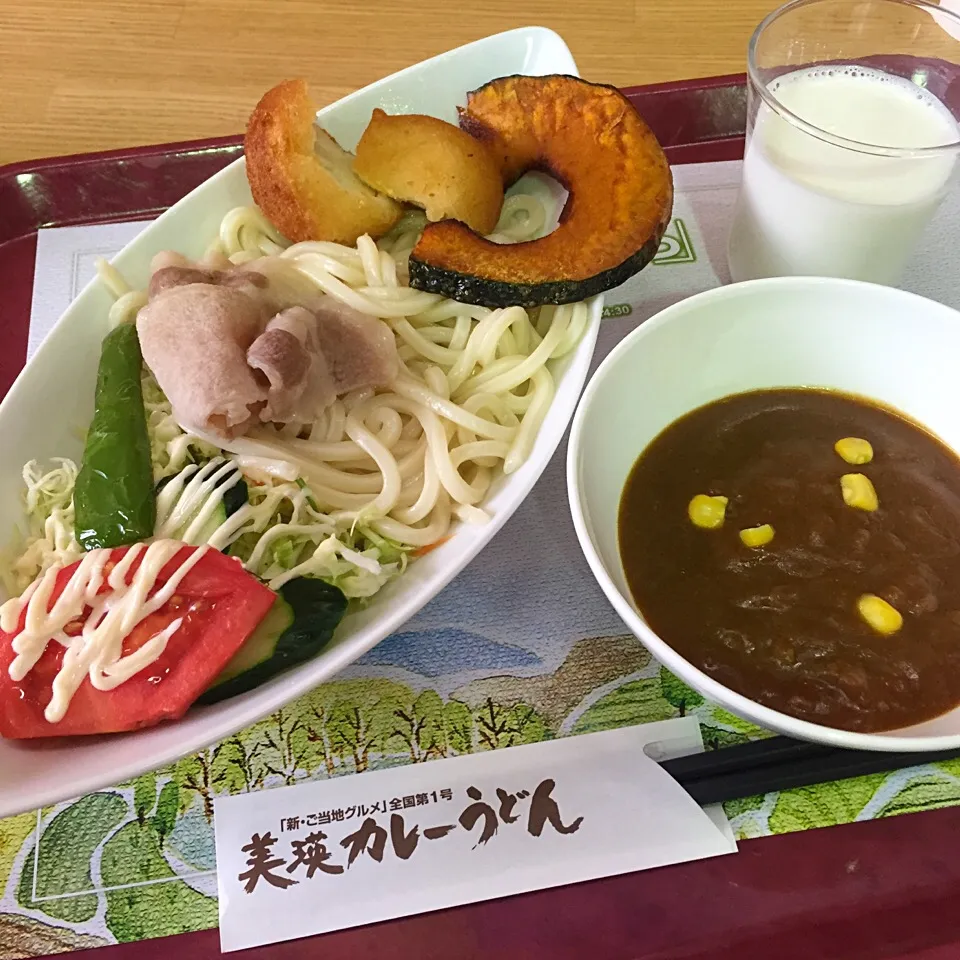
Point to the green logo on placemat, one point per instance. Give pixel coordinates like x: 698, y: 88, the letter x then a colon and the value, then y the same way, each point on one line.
x: 676, y: 245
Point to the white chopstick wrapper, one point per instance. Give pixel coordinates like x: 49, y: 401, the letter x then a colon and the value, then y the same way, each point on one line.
x: 331, y: 854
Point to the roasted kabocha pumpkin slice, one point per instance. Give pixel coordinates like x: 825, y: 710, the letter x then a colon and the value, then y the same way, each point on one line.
x: 591, y: 139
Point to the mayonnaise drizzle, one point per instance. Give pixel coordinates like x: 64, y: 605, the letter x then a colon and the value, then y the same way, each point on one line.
x: 195, y: 492
x: 97, y: 651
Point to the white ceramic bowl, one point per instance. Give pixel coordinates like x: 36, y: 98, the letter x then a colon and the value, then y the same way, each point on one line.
x: 53, y: 397
x: 798, y: 331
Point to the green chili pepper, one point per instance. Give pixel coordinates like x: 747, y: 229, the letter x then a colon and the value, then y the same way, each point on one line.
x: 114, y: 499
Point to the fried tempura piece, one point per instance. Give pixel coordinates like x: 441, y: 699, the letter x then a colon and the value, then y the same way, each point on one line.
x: 301, y: 178
x: 433, y: 164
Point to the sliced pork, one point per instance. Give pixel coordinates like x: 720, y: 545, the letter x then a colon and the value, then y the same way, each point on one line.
x: 229, y: 349
x: 174, y: 270
x: 279, y: 283
x: 289, y: 355
x: 309, y: 357
x: 361, y: 351
x: 195, y: 340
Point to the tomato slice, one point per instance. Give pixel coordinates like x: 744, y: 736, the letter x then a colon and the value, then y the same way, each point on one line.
x: 220, y: 604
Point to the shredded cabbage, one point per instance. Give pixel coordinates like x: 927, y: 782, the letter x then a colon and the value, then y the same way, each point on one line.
x: 171, y: 447
x: 279, y: 534
x: 50, y: 538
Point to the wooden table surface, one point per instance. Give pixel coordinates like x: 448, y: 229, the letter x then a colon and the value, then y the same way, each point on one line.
x: 81, y: 75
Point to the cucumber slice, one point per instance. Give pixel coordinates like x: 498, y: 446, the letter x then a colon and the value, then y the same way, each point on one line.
x: 233, y: 499
x: 213, y: 524
x: 262, y: 643
x: 298, y: 626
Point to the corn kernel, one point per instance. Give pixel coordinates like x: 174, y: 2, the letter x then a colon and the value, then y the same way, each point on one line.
x: 707, y: 512
x: 854, y: 450
x: 879, y: 614
x: 858, y: 492
x: 757, y: 536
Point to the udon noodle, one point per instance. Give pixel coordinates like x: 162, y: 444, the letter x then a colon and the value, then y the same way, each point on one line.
x: 473, y: 389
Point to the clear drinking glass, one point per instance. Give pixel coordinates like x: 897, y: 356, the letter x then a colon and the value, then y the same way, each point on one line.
x: 852, y: 137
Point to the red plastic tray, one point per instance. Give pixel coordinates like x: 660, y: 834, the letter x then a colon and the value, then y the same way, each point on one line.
x: 882, y: 889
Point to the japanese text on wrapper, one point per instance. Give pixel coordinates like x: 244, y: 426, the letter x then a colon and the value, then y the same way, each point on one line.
x: 282, y: 863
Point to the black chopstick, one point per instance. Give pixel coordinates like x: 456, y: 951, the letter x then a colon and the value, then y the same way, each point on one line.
x: 757, y: 753
x: 780, y: 763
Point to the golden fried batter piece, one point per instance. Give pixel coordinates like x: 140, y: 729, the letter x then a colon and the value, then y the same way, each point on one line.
x: 433, y: 164
x: 302, y: 180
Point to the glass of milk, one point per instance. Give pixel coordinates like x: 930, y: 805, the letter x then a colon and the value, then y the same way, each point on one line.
x: 852, y: 137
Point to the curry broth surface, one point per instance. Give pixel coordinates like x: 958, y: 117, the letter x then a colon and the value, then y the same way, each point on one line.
x: 779, y: 623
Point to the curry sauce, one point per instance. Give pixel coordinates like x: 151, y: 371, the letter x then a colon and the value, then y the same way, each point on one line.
x: 798, y: 617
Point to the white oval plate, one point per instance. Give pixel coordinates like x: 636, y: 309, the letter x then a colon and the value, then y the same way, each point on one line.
x: 53, y: 398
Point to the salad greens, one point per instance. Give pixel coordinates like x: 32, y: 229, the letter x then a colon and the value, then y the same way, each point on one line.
x: 50, y: 539
x: 171, y: 448
x: 144, y: 477
x: 280, y: 533
x: 275, y: 528
x: 113, y: 497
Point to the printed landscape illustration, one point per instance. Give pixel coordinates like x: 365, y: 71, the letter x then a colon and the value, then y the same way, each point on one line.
x: 137, y: 860
x: 521, y: 647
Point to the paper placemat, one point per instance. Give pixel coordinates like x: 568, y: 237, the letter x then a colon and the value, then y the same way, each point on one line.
x: 499, y: 658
